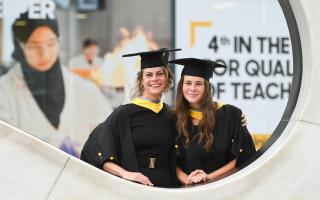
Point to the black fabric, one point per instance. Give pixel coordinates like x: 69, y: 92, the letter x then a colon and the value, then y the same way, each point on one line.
x: 23, y: 26
x: 46, y: 87
x: 154, y: 58
x: 197, y: 67
x: 231, y: 141
x: 111, y: 141
x: 152, y: 135
x: 116, y: 140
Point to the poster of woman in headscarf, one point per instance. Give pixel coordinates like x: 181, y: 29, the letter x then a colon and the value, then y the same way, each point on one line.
x: 37, y: 93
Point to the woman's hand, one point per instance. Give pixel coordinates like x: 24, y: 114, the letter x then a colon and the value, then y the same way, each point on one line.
x: 244, y: 120
x: 197, y: 176
x: 137, y: 177
x: 131, y: 176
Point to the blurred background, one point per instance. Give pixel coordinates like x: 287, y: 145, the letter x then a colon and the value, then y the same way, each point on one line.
x: 250, y: 36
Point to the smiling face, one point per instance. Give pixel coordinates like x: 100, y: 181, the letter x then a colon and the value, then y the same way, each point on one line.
x: 193, y: 89
x: 154, y: 82
x: 41, y: 49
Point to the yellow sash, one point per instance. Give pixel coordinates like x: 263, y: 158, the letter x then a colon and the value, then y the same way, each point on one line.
x: 155, y: 107
x: 198, y: 114
x: 195, y: 114
x: 219, y: 105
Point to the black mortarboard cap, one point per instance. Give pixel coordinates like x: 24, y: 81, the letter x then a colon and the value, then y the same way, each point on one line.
x: 153, y: 58
x: 197, y: 67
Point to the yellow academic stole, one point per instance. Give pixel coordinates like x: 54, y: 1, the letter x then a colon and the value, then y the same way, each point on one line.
x: 195, y: 114
x: 155, y: 107
x: 198, y: 114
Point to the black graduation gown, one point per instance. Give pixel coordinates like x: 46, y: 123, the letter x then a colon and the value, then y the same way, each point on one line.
x: 230, y: 141
x: 132, y: 132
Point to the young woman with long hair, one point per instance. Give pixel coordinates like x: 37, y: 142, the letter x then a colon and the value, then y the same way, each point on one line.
x: 211, y: 136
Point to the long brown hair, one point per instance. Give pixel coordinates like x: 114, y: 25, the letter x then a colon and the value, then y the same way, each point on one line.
x: 206, y: 124
x: 138, y: 89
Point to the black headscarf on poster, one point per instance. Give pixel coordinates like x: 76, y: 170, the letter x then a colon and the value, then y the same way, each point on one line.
x: 46, y: 87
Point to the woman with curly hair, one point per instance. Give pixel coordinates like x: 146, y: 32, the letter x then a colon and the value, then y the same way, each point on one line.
x: 136, y: 142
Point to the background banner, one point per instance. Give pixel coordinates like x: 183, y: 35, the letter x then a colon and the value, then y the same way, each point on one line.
x: 252, y: 38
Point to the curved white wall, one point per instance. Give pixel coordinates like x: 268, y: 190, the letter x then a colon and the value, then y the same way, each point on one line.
x: 31, y: 169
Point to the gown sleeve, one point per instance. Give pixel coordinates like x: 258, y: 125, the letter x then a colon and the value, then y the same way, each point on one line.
x: 242, y: 144
x: 103, y: 143
x: 178, y: 151
x: 177, y: 139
